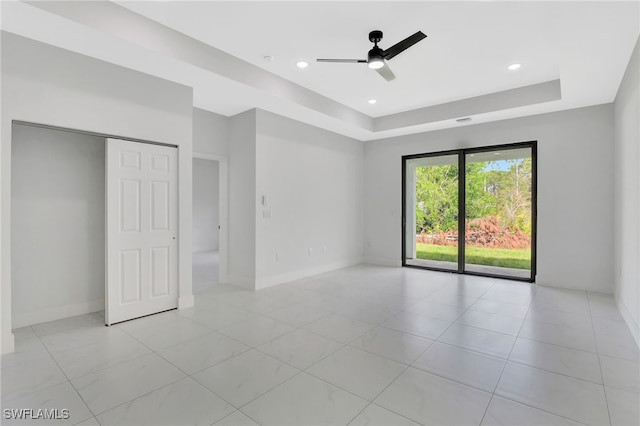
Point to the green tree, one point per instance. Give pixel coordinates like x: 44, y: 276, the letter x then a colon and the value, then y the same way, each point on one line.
x: 492, y: 190
x: 437, y: 198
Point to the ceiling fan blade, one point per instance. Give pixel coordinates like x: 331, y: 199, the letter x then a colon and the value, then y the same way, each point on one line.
x: 346, y: 61
x: 403, y: 45
x: 386, y: 72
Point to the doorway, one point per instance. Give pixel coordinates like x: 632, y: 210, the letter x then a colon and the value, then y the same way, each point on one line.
x: 471, y: 211
x: 206, y: 224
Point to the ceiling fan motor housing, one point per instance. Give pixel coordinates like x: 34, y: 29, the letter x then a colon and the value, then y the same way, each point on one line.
x: 375, y: 55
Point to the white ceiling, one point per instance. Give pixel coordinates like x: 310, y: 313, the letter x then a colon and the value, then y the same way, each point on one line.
x: 584, y: 45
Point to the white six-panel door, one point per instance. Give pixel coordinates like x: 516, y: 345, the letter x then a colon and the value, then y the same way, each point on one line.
x: 142, y: 230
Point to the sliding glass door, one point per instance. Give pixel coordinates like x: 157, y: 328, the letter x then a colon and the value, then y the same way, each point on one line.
x: 481, y: 221
x: 432, y: 195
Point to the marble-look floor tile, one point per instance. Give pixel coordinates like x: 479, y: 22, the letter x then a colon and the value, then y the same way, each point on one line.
x: 297, y: 315
x: 500, y: 308
x: 28, y: 369
x: 92, y: 321
x: 185, y: 402
x: 508, y: 286
x: 576, y: 399
x: 504, y: 412
x: 447, y: 298
x: 620, y: 373
x: 300, y: 348
x: 374, y: 415
x: 58, y: 397
x: 217, y: 317
x: 245, y: 377
x: 465, y: 289
x: 358, y: 372
x: 237, y: 418
x: 574, y: 301
x: 492, y: 322
x: 367, y: 312
x: 428, y: 399
x: 615, y: 340
x: 339, y: 328
x: 392, y: 344
x: 330, y: 302
x: 68, y: 340
x: 476, y: 339
x: 437, y: 310
x: 391, y: 315
x: 102, y: 353
x: 558, y: 359
x: 202, y: 352
x: 603, y: 306
x: 517, y: 298
x: 425, y: 327
x: 463, y: 366
x: 568, y: 319
x: 305, y: 400
x: 258, y: 303
x: 108, y: 388
x: 392, y: 302
x: 624, y: 407
x: 169, y: 333
x: 256, y: 331
x: 91, y: 421
x: 562, y: 335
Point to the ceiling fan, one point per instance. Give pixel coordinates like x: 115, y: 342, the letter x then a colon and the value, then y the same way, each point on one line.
x: 377, y: 57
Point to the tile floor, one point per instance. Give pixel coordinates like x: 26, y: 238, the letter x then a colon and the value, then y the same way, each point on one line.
x: 205, y: 270
x: 359, y: 346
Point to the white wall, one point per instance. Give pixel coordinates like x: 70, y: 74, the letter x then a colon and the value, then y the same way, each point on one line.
x: 575, y: 190
x: 58, y: 224
x: 627, y: 194
x: 210, y: 133
x: 313, y: 183
x: 242, y: 195
x: 47, y: 85
x: 206, y: 212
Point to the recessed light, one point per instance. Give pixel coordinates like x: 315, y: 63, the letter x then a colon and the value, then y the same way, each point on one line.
x: 302, y: 64
x: 514, y: 67
x: 372, y: 101
x: 496, y: 153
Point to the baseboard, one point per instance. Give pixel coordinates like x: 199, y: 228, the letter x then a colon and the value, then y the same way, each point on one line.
x: 383, y: 261
x: 628, y: 318
x: 185, y: 301
x: 56, y: 313
x: 304, y: 273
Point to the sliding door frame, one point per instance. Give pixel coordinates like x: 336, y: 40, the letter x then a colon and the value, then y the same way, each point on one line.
x: 462, y: 153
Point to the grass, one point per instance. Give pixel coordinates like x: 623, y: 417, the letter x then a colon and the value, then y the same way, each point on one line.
x: 505, y: 258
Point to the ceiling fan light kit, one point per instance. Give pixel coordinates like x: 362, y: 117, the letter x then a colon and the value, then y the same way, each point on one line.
x: 377, y: 58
